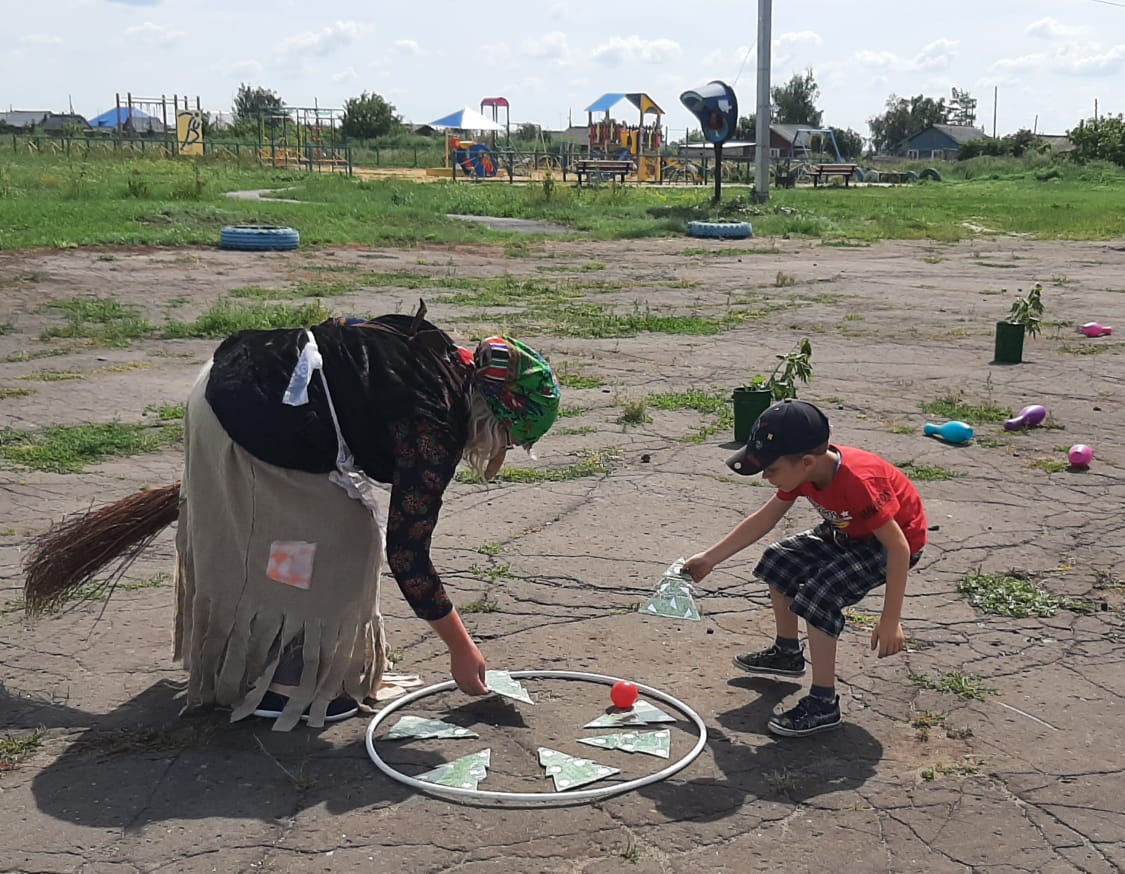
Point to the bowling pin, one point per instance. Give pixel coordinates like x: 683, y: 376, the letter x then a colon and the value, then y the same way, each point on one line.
x: 1093, y: 329
x: 1031, y: 416
x: 950, y: 432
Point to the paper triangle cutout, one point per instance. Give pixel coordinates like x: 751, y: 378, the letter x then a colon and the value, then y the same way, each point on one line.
x: 569, y: 772
x: 416, y: 726
x: 463, y: 773
x: 674, y: 596
x: 502, y: 683
x: 641, y: 713
x: 651, y: 743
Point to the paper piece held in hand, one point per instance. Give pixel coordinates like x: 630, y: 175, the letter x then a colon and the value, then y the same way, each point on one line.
x: 416, y: 726
x: 462, y: 773
x: 651, y: 743
x: 569, y: 772
x: 502, y: 683
x: 674, y: 597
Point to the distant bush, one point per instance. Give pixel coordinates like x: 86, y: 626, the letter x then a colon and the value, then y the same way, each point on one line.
x: 1100, y: 139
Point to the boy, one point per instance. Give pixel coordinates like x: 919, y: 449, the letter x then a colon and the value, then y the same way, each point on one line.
x: 873, y: 531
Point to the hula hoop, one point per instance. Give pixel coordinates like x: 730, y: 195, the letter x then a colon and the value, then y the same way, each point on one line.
x: 536, y: 799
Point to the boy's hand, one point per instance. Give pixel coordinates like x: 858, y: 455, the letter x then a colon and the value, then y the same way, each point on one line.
x: 887, y: 639
x: 698, y: 566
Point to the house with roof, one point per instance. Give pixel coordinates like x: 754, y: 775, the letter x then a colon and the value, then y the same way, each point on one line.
x: 22, y: 120
x: 58, y: 122
x: 942, y: 141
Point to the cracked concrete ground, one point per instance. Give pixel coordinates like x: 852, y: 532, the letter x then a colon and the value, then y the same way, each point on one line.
x: 1028, y: 777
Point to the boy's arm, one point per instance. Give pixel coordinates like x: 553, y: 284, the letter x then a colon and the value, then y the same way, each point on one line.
x: 752, y: 528
x: 887, y: 635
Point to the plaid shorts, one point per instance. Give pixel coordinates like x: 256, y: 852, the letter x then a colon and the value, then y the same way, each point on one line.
x: 823, y: 571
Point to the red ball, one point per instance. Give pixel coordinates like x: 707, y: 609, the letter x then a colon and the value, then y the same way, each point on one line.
x: 623, y: 694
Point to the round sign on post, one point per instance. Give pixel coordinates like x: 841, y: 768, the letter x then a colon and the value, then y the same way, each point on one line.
x: 716, y: 107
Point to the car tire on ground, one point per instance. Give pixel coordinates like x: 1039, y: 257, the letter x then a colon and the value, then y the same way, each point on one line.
x: 259, y: 238
x: 931, y: 174
x: 720, y: 230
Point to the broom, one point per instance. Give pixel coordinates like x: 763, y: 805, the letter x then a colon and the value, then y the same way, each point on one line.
x: 72, y: 552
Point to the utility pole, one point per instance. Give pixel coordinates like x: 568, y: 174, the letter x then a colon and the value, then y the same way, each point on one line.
x: 762, y: 132
x: 995, y: 96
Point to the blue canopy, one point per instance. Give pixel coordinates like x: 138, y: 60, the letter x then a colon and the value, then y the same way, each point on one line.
x: 607, y: 101
x: 124, y: 115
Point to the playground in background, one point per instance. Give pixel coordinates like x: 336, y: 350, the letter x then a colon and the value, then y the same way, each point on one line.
x: 304, y: 138
x: 640, y: 143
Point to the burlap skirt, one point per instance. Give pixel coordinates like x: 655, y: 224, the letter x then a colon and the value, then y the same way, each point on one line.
x: 269, y: 556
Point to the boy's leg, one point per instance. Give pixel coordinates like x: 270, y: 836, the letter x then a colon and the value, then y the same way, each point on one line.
x: 783, y: 567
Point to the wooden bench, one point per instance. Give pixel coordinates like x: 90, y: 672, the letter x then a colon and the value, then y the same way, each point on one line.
x: 823, y: 171
x: 602, y: 167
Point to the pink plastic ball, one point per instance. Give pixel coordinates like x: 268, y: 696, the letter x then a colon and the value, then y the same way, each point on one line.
x: 1080, y: 455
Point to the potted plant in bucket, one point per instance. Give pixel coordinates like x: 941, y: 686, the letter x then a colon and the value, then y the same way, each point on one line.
x: 750, y: 401
x: 1023, y: 318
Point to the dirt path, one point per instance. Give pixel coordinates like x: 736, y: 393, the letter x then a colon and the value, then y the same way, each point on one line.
x: 1027, y: 777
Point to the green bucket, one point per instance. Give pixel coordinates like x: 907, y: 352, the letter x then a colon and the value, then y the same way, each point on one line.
x: 749, y: 403
x: 1009, y: 343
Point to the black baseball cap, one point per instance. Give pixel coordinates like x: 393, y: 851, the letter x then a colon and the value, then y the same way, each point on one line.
x: 789, y: 427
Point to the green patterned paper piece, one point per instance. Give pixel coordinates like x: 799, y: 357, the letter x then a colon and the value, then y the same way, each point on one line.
x: 641, y: 713
x: 651, y: 743
x: 462, y: 773
x: 502, y: 683
x: 569, y: 772
x: 416, y: 726
x: 674, y: 597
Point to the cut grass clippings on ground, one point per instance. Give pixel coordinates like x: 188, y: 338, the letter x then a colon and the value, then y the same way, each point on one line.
x: 103, y: 321
x: 15, y: 747
x: 925, y: 472
x: 225, y: 318
x: 598, y: 463
x: 962, y: 685
x: 70, y: 448
x: 952, y: 406
x: 1014, y: 593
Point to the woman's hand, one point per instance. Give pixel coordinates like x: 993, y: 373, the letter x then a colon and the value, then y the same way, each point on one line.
x: 698, y: 566
x: 466, y: 664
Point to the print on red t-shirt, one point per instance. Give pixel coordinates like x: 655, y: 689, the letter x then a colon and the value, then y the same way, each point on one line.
x: 866, y: 493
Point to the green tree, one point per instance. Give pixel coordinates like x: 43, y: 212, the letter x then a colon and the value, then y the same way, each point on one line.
x: 1100, y: 139
x: 849, y: 142
x: 903, y: 118
x: 369, y: 115
x: 795, y: 101
x: 747, y: 128
x: 250, y: 102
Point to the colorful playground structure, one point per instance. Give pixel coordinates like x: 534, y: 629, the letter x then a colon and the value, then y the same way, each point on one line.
x: 304, y: 138
x: 610, y: 140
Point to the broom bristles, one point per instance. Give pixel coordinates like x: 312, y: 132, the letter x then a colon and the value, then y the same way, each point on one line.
x: 72, y: 552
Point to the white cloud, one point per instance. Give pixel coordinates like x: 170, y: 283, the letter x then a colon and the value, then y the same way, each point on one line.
x: 347, y: 74
x: 40, y: 39
x: 551, y: 46
x: 634, y: 49
x: 407, y: 46
x: 1049, y: 28
x: 153, y: 34
x: 1070, y: 60
x: 136, y: 2
x: 321, y: 42
x: 241, y: 69
x: 937, y: 55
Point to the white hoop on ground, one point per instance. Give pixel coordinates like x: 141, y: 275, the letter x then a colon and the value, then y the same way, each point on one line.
x: 537, y: 799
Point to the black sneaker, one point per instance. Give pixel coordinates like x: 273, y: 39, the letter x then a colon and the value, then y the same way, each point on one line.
x: 783, y: 663
x: 811, y: 715
x: 338, y: 708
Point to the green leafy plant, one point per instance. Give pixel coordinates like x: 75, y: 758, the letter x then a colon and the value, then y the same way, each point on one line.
x: 791, y: 367
x: 1028, y: 310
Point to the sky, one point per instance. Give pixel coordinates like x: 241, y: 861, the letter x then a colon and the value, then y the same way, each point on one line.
x: 1033, y: 63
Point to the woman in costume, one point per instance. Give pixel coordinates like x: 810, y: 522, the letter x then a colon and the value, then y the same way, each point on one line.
x: 288, y: 435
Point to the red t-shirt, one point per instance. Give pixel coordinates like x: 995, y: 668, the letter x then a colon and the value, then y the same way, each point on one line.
x: 866, y: 493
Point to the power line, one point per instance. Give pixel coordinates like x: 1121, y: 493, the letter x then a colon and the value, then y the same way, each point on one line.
x: 745, y: 58
x: 1109, y: 3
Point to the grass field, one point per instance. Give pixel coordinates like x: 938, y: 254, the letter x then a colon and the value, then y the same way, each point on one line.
x: 52, y: 202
